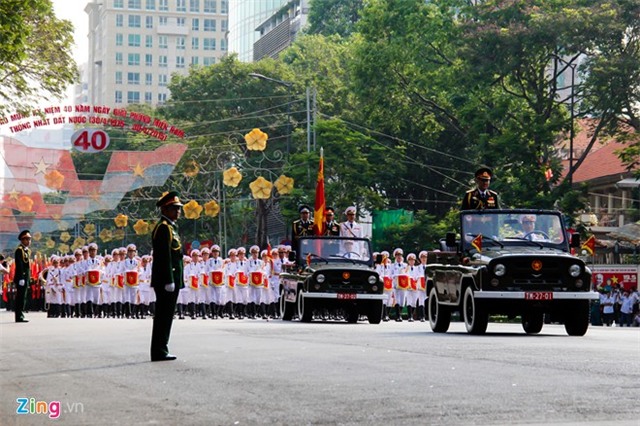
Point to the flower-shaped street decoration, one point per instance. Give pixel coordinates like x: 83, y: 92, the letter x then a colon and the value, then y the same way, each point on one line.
x: 211, y: 208
x: 232, y: 177
x: 89, y: 229
x: 63, y: 248
x: 191, y: 169
x: 121, y: 220
x: 118, y: 234
x: 24, y: 204
x: 50, y: 243
x: 78, y: 243
x: 106, y: 235
x: 141, y: 227
x: 256, y: 140
x: 37, y: 236
x: 284, y: 185
x: 192, y: 210
x: 65, y: 236
x: 261, y: 188
x: 54, y: 179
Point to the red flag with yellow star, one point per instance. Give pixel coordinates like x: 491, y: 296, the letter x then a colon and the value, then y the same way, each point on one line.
x: 476, y: 243
x: 320, y: 205
x: 590, y: 245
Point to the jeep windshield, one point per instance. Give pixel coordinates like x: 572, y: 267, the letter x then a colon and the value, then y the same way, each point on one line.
x: 502, y: 229
x: 335, y: 249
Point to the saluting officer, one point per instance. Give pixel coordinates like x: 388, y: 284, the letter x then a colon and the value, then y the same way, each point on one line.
x: 22, y: 276
x: 481, y: 197
x: 166, y: 274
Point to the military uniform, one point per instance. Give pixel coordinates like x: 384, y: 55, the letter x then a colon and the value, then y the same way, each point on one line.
x: 302, y: 227
x: 22, y: 276
x: 478, y: 200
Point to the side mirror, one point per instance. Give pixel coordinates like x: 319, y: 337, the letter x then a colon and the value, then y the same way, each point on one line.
x: 575, y: 240
x: 292, y: 256
x: 450, y: 239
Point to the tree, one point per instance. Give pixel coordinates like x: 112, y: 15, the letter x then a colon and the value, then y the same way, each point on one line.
x: 331, y: 17
x: 35, y: 54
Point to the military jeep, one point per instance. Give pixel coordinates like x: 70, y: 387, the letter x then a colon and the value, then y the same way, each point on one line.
x: 509, y: 262
x: 331, y: 277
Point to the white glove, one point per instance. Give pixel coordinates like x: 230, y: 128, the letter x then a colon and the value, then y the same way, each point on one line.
x: 21, y: 283
x: 171, y: 287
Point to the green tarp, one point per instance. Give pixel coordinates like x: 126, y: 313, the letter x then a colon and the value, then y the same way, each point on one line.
x: 383, y: 219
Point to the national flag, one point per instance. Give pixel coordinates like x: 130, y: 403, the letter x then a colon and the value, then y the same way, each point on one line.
x: 476, y: 243
x: 590, y: 245
x: 320, y: 205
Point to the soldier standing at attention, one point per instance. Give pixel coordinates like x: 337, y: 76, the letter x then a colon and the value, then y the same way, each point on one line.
x: 302, y: 227
x: 350, y: 228
x: 166, y: 274
x: 22, y: 276
x: 332, y: 227
x: 481, y: 197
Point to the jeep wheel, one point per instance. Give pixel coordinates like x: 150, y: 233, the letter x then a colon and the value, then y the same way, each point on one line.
x: 374, y: 315
x: 305, y: 308
x: 439, y: 316
x: 532, y: 322
x: 286, y: 309
x: 475, y: 316
x: 576, y: 321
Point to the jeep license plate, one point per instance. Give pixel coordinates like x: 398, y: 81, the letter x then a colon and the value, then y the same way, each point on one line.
x: 347, y: 296
x: 538, y: 295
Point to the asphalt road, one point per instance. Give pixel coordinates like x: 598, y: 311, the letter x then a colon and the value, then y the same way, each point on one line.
x: 287, y: 373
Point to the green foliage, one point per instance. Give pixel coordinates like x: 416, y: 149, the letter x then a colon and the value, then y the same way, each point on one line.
x: 35, y: 54
x: 421, y: 234
x: 330, y: 17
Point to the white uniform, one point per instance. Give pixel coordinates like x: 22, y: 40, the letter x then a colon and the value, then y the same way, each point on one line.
x: 230, y: 269
x: 54, y: 286
x: 216, y: 286
x: 203, y: 295
x: 256, y: 291
x: 401, y: 282
x: 144, y: 288
x: 132, y: 280
x: 242, y: 281
x: 350, y: 229
x: 191, y: 282
x: 93, y: 272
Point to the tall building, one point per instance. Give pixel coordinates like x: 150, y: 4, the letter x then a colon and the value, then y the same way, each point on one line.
x: 135, y: 46
x: 278, y: 31
x: 244, y: 18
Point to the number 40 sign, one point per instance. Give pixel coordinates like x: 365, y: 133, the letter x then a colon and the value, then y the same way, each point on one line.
x: 90, y: 140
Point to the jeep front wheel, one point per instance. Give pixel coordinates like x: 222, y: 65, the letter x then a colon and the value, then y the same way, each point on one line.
x: 305, y: 308
x: 475, y: 316
x: 439, y: 316
x: 374, y: 315
x: 576, y: 321
x: 285, y: 308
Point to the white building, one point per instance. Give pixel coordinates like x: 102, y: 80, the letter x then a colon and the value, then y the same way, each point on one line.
x: 244, y: 18
x: 135, y: 46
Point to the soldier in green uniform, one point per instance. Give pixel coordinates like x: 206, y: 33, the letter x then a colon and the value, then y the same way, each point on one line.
x: 302, y: 227
x: 22, y: 277
x: 481, y: 197
x: 332, y: 227
x: 166, y: 274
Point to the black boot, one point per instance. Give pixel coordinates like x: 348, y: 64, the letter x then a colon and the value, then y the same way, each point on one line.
x: 230, y: 310
x: 119, y: 309
x: 214, y: 310
x: 203, y: 311
x: 127, y: 310
x: 180, y: 310
x: 385, y: 317
x: 191, y: 307
x: 398, y: 313
x: 90, y: 309
x: 410, y: 312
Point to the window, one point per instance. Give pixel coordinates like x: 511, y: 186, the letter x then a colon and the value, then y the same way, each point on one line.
x: 224, y: 25
x: 118, y: 4
x: 148, y: 21
x: 194, y: 60
x: 162, y: 61
x: 148, y: 79
x: 194, y: 6
x: 195, y: 24
x: 162, y: 97
x: 118, y: 96
x: 118, y: 58
x: 148, y: 97
x: 118, y: 77
x: 151, y: 4
x: 135, y: 4
x: 163, y: 42
x: 195, y: 43
x: 119, y: 20
x: 134, y: 40
x: 133, y: 97
x: 181, y: 42
x: 223, y: 44
x: 209, y: 44
x: 134, y: 59
x: 119, y: 39
x: 210, y: 6
x: 181, y: 5
x: 162, y: 80
x: 179, y: 61
x: 209, y: 24
x: 133, y: 77
x: 164, y: 5
x: 134, y: 21
x: 148, y: 41
x: 209, y: 60
x: 148, y: 60
x: 224, y: 6
x: 162, y: 21
x: 182, y: 22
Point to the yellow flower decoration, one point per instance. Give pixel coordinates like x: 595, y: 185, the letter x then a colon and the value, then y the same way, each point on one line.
x: 121, y: 220
x: 80, y: 241
x: 63, y: 248
x: 284, y: 185
x: 141, y: 227
x: 192, y: 210
x: 261, y: 188
x: 105, y: 235
x: 54, y: 179
x: 232, y: 177
x: 37, y: 236
x: 118, y: 234
x: 256, y: 140
x: 25, y: 204
x: 89, y: 229
x: 191, y: 169
x: 90, y: 239
x: 50, y: 243
x: 65, y: 236
x: 211, y: 208
x: 62, y: 225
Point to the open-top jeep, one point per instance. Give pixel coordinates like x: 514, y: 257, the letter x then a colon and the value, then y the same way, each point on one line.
x: 334, y: 276
x: 509, y: 262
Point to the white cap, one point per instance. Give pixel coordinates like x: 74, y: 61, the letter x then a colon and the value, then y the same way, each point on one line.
x: 131, y: 247
x: 215, y: 247
x: 205, y: 250
x: 264, y: 253
x: 241, y: 250
x: 397, y: 252
x: 195, y: 252
x: 350, y: 209
x: 233, y: 251
x: 93, y: 246
x: 411, y: 256
x: 254, y: 248
x: 423, y: 253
